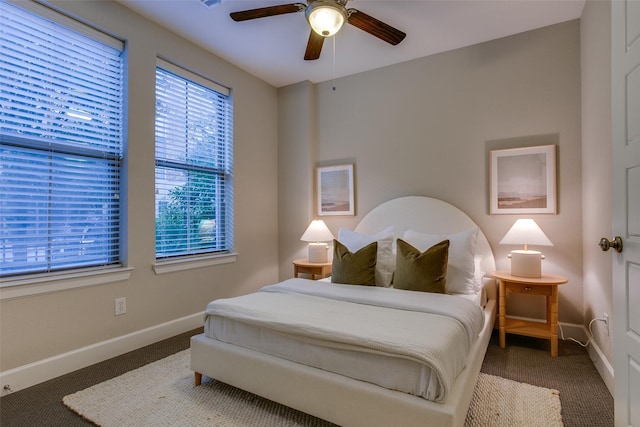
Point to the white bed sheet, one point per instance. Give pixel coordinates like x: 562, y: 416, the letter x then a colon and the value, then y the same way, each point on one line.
x: 393, y: 373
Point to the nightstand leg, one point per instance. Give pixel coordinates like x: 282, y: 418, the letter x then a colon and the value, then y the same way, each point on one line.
x: 553, y: 319
x: 502, y: 311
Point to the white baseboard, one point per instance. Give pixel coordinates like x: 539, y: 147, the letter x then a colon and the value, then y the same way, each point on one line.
x: 602, y: 365
x: 43, y: 370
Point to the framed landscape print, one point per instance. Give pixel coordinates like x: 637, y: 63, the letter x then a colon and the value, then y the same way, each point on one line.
x: 335, y: 190
x: 523, y: 180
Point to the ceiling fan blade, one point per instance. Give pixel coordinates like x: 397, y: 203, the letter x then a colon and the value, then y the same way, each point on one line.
x: 375, y: 27
x: 263, y: 12
x: 314, y: 46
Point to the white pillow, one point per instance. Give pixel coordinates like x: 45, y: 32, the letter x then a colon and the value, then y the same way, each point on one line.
x: 385, y: 261
x: 461, y: 265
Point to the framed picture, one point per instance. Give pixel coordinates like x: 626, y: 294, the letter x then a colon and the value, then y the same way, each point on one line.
x: 335, y: 190
x: 523, y: 180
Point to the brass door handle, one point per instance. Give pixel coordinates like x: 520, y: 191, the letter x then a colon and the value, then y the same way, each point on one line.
x: 616, y: 244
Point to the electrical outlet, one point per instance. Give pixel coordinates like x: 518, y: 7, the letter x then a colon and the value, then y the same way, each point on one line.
x: 121, y: 306
x: 606, y: 323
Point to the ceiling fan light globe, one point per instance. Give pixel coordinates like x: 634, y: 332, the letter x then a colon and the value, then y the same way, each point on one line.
x: 326, y: 19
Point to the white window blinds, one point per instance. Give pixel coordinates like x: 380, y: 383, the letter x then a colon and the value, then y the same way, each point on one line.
x: 194, y: 164
x: 61, y: 146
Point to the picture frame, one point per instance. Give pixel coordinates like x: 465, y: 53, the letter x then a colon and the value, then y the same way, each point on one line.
x: 335, y: 190
x: 523, y: 180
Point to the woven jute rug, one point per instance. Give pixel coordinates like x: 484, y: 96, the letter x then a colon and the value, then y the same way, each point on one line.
x: 162, y: 393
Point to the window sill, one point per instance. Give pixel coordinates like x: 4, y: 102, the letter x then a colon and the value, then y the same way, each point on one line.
x: 163, y: 267
x: 41, y: 284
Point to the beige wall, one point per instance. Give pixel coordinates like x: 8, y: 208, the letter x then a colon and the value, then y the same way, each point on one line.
x: 595, y: 31
x: 297, y: 151
x: 425, y: 127
x: 34, y: 328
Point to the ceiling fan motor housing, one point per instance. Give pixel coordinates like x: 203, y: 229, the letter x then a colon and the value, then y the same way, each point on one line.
x: 326, y: 17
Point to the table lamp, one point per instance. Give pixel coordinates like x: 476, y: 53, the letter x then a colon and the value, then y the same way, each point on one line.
x: 525, y: 262
x: 317, y: 234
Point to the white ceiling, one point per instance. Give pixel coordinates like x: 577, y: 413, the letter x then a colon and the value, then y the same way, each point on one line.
x: 273, y: 48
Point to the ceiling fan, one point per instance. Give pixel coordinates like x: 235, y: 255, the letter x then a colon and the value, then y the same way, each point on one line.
x: 326, y: 17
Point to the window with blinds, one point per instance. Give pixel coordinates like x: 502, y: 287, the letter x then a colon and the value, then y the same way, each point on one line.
x: 61, y: 144
x: 194, y: 164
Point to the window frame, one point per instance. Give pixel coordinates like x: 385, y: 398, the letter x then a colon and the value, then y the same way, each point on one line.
x: 180, y: 262
x: 27, y: 284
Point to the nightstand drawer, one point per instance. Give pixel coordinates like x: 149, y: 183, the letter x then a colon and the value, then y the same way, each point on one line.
x: 523, y: 288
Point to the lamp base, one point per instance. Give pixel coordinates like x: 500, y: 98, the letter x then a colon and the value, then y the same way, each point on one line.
x: 318, y: 252
x: 526, y: 263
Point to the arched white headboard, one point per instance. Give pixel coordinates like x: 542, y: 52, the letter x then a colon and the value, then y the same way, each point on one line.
x: 426, y: 215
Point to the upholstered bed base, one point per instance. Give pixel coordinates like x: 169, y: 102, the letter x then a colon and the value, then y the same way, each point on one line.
x: 333, y: 397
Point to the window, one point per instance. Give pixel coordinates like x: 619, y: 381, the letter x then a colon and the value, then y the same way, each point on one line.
x: 61, y: 144
x: 194, y: 165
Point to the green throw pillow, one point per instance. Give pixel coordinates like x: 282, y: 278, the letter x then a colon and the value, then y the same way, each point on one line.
x: 421, y: 271
x: 357, y: 268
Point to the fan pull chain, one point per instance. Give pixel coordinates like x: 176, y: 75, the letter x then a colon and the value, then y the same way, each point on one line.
x: 334, y: 62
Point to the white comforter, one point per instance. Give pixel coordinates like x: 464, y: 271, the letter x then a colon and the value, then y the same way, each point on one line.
x: 434, y: 329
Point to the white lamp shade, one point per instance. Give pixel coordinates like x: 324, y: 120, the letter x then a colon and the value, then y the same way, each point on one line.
x: 317, y: 231
x: 525, y: 232
x: 326, y: 18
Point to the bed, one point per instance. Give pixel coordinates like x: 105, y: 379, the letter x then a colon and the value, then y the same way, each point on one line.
x: 327, y: 389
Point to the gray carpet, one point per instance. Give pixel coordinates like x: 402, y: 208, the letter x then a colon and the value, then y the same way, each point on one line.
x: 584, y: 397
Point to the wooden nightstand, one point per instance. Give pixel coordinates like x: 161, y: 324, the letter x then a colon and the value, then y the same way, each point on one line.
x: 320, y: 269
x: 546, y: 285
